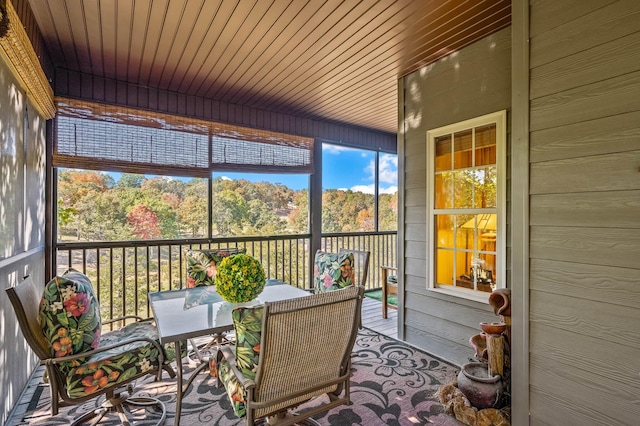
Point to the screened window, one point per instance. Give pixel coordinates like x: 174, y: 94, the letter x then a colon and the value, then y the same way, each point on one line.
x: 348, y: 188
x: 110, y: 206
x: 467, y: 206
x: 387, y: 192
x: 259, y: 204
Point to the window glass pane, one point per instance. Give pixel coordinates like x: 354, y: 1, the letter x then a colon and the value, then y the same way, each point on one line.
x: 259, y: 204
x: 443, y: 153
x: 348, y: 183
x: 106, y: 206
x: 387, y: 192
x: 485, y: 272
x: 463, y: 188
x: 463, y: 265
x: 443, y: 191
x: 444, y: 267
x: 444, y: 230
x: 485, y: 188
x: 485, y: 145
x: 463, y: 153
x: 465, y: 232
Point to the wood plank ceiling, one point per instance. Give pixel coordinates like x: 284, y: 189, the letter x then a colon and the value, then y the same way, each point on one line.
x: 332, y: 59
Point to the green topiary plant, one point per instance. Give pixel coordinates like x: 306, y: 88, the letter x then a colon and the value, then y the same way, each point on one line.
x: 240, y: 278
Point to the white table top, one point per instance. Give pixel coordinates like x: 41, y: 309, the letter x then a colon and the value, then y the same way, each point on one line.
x: 176, y: 323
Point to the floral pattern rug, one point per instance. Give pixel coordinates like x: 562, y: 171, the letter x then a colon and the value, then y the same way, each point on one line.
x: 392, y: 384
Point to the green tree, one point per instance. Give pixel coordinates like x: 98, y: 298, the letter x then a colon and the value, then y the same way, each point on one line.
x: 263, y: 220
x: 75, y: 189
x: 102, y: 217
x: 192, y: 215
x: 229, y: 211
x: 340, y: 210
x: 388, y: 212
x: 130, y: 180
x: 299, y: 215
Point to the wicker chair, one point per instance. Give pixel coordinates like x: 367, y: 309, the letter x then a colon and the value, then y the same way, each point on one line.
x: 65, y: 371
x: 278, y: 377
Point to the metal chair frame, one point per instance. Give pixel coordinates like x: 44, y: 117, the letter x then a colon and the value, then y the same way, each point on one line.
x: 25, y: 298
x: 285, y: 378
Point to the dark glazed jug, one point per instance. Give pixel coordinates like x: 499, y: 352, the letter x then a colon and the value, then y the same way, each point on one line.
x: 481, y: 390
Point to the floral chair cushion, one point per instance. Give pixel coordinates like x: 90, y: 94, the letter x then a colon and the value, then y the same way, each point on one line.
x: 119, y: 364
x: 201, y: 264
x: 333, y: 271
x: 201, y: 271
x: 70, y: 314
x: 247, y: 322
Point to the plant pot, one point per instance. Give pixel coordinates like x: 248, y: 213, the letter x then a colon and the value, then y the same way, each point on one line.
x: 481, y: 390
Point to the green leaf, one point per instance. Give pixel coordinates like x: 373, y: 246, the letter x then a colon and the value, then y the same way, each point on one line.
x: 128, y: 374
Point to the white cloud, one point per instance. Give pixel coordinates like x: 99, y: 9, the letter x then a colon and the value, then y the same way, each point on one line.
x: 388, y: 169
x: 367, y: 189
x: 333, y: 149
x: 389, y: 190
x: 225, y: 178
x: 370, y: 189
x: 388, y: 174
x: 370, y: 170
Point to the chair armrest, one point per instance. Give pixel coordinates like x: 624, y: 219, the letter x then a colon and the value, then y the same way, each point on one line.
x: 61, y: 360
x: 126, y: 317
x: 228, y: 354
x: 385, y: 273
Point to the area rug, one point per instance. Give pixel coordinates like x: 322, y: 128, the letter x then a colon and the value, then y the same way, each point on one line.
x: 392, y: 384
x: 377, y: 295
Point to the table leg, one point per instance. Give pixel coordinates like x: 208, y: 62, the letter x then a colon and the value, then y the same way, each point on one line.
x: 178, y: 383
x: 181, y: 386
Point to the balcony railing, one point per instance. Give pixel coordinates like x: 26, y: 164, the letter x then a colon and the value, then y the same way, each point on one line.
x: 124, y: 272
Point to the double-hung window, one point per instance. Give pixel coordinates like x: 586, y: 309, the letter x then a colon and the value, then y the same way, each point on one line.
x: 466, y: 183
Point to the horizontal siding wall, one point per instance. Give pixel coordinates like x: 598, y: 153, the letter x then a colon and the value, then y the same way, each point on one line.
x: 466, y: 84
x: 585, y: 212
x: 87, y: 87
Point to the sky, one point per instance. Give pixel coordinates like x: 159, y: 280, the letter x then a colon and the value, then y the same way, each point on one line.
x: 342, y: 168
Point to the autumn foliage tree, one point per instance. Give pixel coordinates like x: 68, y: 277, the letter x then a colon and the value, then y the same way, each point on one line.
x: 93, y: 207
x: 144, y: 222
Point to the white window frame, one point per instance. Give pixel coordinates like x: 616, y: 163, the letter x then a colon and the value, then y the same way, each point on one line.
x: 498, y: 118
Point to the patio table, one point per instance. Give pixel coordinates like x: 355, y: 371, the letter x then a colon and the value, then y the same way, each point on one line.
x: 175, y: 324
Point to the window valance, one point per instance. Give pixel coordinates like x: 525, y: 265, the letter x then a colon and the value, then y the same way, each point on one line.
x: 97, y: 136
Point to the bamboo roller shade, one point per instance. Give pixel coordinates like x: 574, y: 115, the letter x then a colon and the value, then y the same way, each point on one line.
x: 98, y: 136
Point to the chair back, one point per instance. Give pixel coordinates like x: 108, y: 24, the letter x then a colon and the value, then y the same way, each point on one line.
x: 361, y: 260
x: 25, y: 298
x: 305, y: 348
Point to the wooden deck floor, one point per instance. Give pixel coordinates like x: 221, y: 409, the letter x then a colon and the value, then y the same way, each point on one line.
x: 372, y: 318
